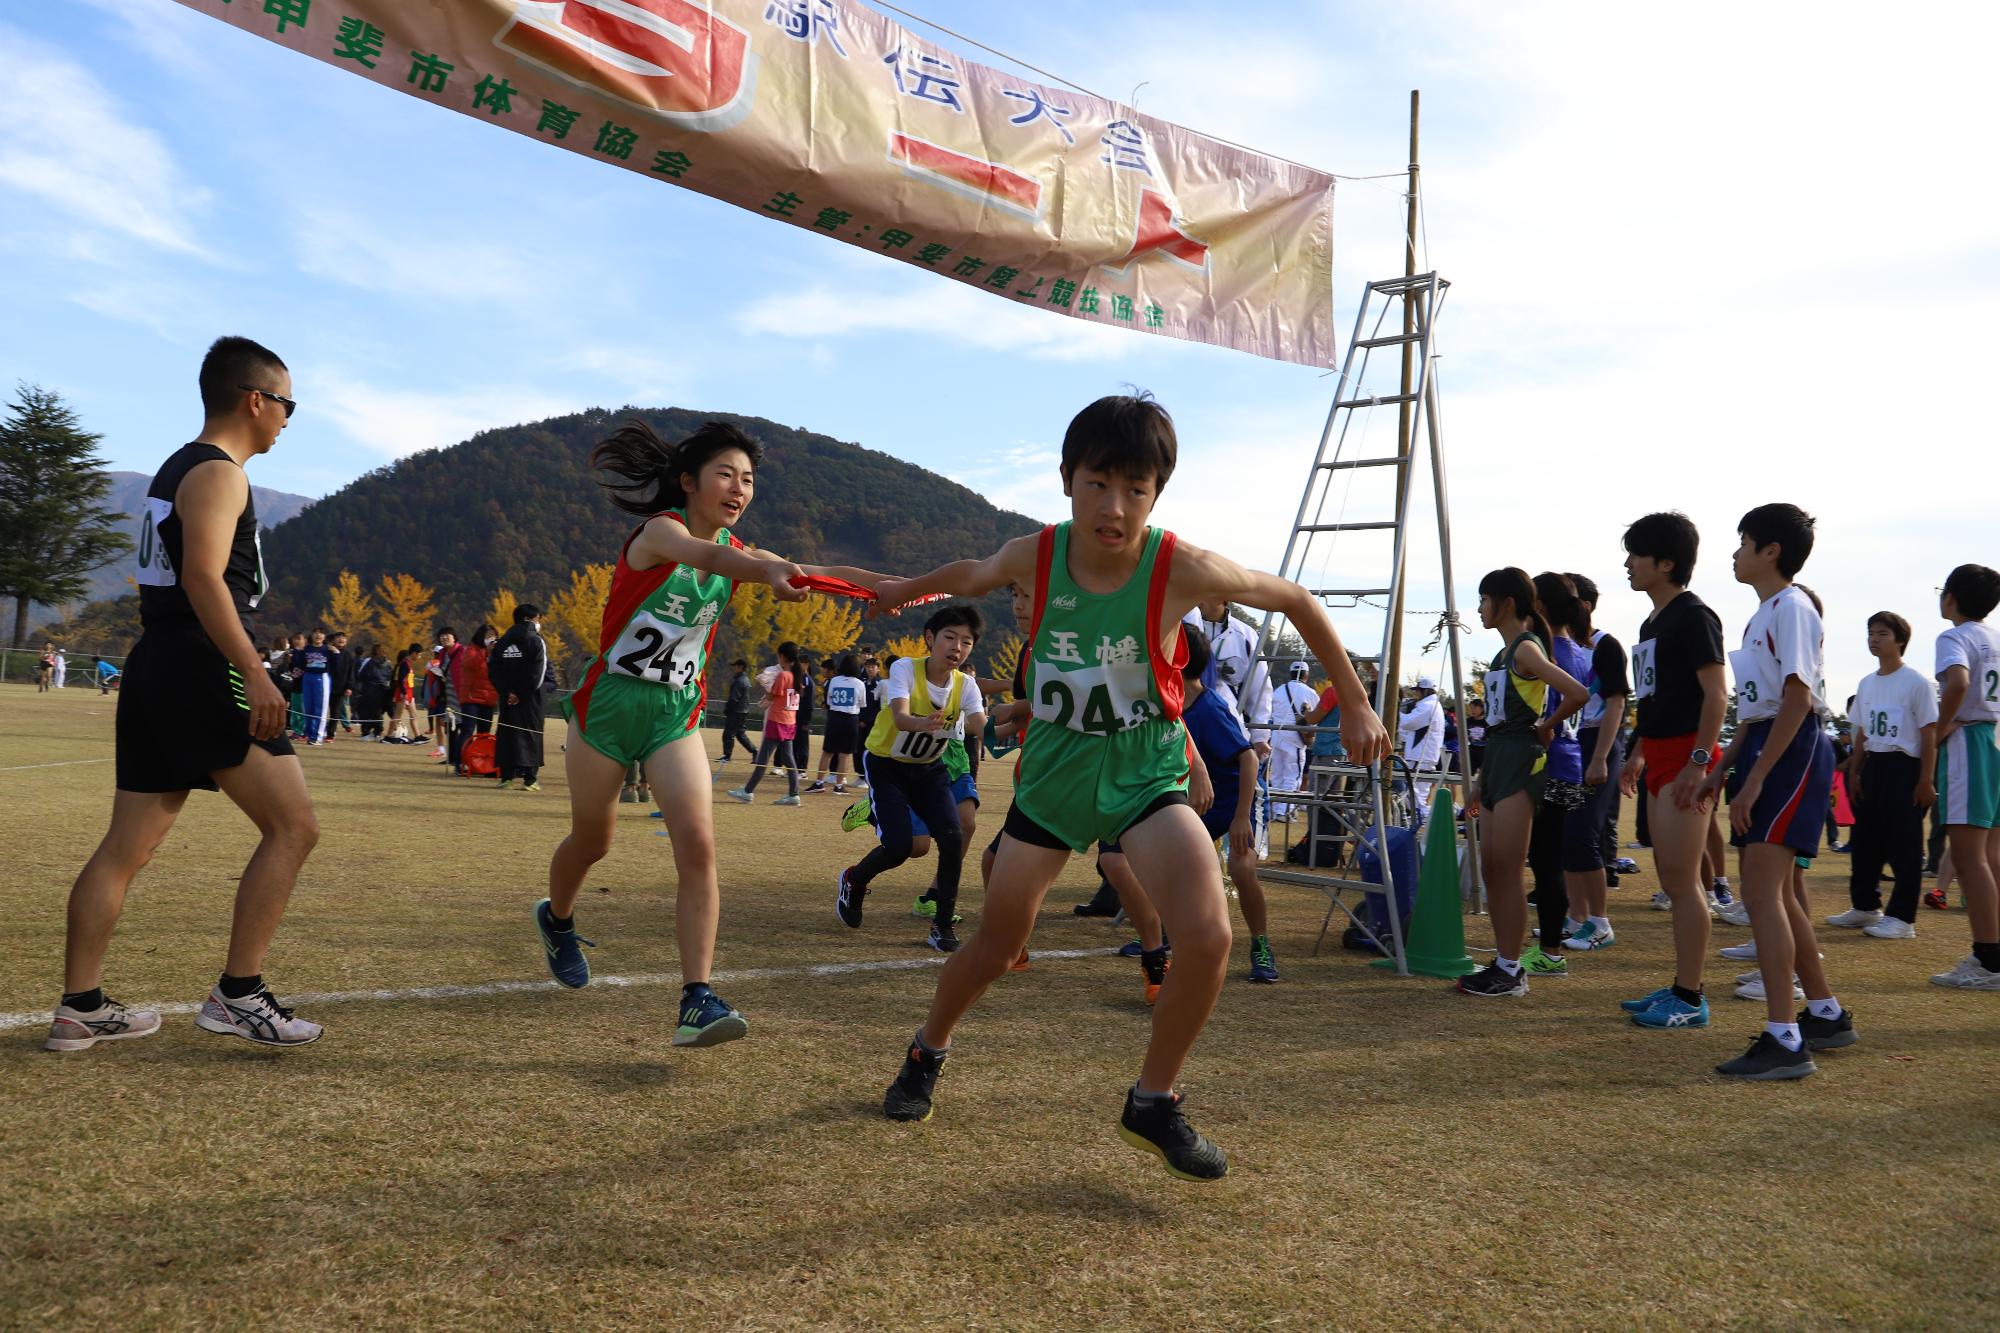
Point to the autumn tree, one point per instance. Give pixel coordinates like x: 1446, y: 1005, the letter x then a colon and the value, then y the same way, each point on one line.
x: 408, y: 611
x: 577, y: 612
x: 751, y: 610
x: 906, y: 645
x: 349, y: 608
x: 1006, y: 655
x: 501, y: 614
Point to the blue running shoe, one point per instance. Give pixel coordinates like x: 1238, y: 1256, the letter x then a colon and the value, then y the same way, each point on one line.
x: 1263, y: 964
x: 707, y: 1020
x: 1673, y: 1012
x: 1645, y: 1002
x: 566, y: 962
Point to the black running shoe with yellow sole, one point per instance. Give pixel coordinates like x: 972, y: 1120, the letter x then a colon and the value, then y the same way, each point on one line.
x: 1159, y: 1128
x: 909, y: 1097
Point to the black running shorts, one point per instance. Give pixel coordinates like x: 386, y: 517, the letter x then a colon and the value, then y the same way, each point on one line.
x: 183, y: 714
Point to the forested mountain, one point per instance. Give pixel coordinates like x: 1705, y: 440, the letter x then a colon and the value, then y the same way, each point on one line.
x: 518, y: 508
x: 128, y: 495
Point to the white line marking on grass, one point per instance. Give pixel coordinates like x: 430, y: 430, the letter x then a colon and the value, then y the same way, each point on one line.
x: 65, y: 763
x: 9, y: 1022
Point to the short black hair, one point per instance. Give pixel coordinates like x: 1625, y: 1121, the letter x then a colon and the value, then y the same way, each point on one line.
x: 850, y: 665
x: 525, y: 612
x: 1785, y: 526
x: 1586, y: 588
x: 1127, y: 434
x: 446, y: 629
x: 957, y: 613
x: 1668, y: 535
x: 1895, y: 624
x: 738, y: 662
x: 1198, y: 653
x: 231, y: 363
x: 1975, y: 588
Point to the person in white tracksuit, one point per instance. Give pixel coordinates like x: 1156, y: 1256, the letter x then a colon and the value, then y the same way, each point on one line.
x: 1421, y: 734
x: 1289, y: 702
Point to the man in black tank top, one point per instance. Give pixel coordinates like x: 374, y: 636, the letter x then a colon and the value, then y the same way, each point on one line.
x: 197, y: 709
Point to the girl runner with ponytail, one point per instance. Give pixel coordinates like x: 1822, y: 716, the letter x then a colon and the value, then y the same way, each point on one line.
x: 641, y: 699
x: 1519, y: 728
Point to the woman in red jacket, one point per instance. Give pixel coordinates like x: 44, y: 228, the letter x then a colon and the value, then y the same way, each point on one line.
x: 477, y: 698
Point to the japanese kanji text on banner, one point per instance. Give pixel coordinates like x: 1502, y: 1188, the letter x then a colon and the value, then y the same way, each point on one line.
x: 827, y: 115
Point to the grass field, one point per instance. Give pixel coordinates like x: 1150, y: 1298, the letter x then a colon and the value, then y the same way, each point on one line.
x: 1400, y: 1156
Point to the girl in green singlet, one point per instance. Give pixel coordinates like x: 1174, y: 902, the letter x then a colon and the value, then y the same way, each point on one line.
x: 640, y: 701
x: 1515, y: 766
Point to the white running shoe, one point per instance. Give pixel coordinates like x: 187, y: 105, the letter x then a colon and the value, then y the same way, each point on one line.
x: 738, y: 794
x: 1968, y: 975
x: 256, y: 1017
x: 1889, y: 928
x: 786, y: 800
x: 1745, y: 952
x: 1753, y: 989
x: 1854, y: 918
x: 1663, y: 902
x: 1736, y: 914
x: 80, y: 1029
x: 1588, y: 936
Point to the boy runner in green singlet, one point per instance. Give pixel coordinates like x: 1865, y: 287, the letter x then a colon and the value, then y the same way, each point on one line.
x: 641, y: 700
x: 1106, y: 756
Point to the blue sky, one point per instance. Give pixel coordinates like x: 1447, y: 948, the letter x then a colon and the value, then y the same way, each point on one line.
x: 1675, y: 242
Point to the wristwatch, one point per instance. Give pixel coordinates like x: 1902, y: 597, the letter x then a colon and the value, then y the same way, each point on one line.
x: 1700, y: 758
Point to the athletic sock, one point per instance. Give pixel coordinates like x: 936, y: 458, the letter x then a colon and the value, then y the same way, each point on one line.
x: 84, y: 1001
x: 237, y: 988
x: 562, y: 923
x: 1827, y: 1008
x: 1142, y: 1098
x: 1787, y: 1035
x: 1511, y: 966
x: 934, y: 1050
x: 1600, y: 923
x: 1691, y: 998
x: 1988, y: 955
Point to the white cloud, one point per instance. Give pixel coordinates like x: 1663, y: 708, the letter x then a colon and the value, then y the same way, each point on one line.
x: 81, y: 154
x: 396, y: 422
x: 948, y: 311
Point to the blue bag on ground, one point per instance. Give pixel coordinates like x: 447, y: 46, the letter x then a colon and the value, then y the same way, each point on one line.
x: 1402, y: 874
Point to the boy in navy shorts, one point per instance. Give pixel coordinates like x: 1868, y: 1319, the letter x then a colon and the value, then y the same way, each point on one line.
x: 1231, y: 761
x: 1779, y: 771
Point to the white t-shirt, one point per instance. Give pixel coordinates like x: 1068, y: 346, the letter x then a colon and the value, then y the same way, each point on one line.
x: 1233, y: 647
x: 844, y: 694
x: 903, y: 681
x: 1890, y: 712
x: 1421, y: 730
x: 1289, y: 702
x: 1975, y: 645
x: 1783, y: 639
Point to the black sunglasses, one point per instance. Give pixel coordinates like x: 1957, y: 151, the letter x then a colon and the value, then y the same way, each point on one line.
x: 291, y: 405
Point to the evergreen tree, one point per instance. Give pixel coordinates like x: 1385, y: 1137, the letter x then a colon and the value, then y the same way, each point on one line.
x: 54, y: 529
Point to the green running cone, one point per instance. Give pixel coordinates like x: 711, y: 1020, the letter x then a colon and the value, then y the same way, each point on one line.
x: 1435, y: 946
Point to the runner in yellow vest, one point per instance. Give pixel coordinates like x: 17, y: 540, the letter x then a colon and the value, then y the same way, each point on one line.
x: 1105, y: 756
x: 927, y: 703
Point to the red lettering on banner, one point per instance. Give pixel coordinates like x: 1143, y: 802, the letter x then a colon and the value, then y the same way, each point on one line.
x: 1159, y: 232
x: 672, y: 58
x: 987, y: 181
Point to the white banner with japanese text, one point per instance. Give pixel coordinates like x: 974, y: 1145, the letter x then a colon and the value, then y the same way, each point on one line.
x: 827, y: 115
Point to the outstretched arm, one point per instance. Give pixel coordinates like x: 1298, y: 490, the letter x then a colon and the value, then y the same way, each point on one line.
x: 1201, y: 576
x: 666, y: 541
x: 1014, y: 562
